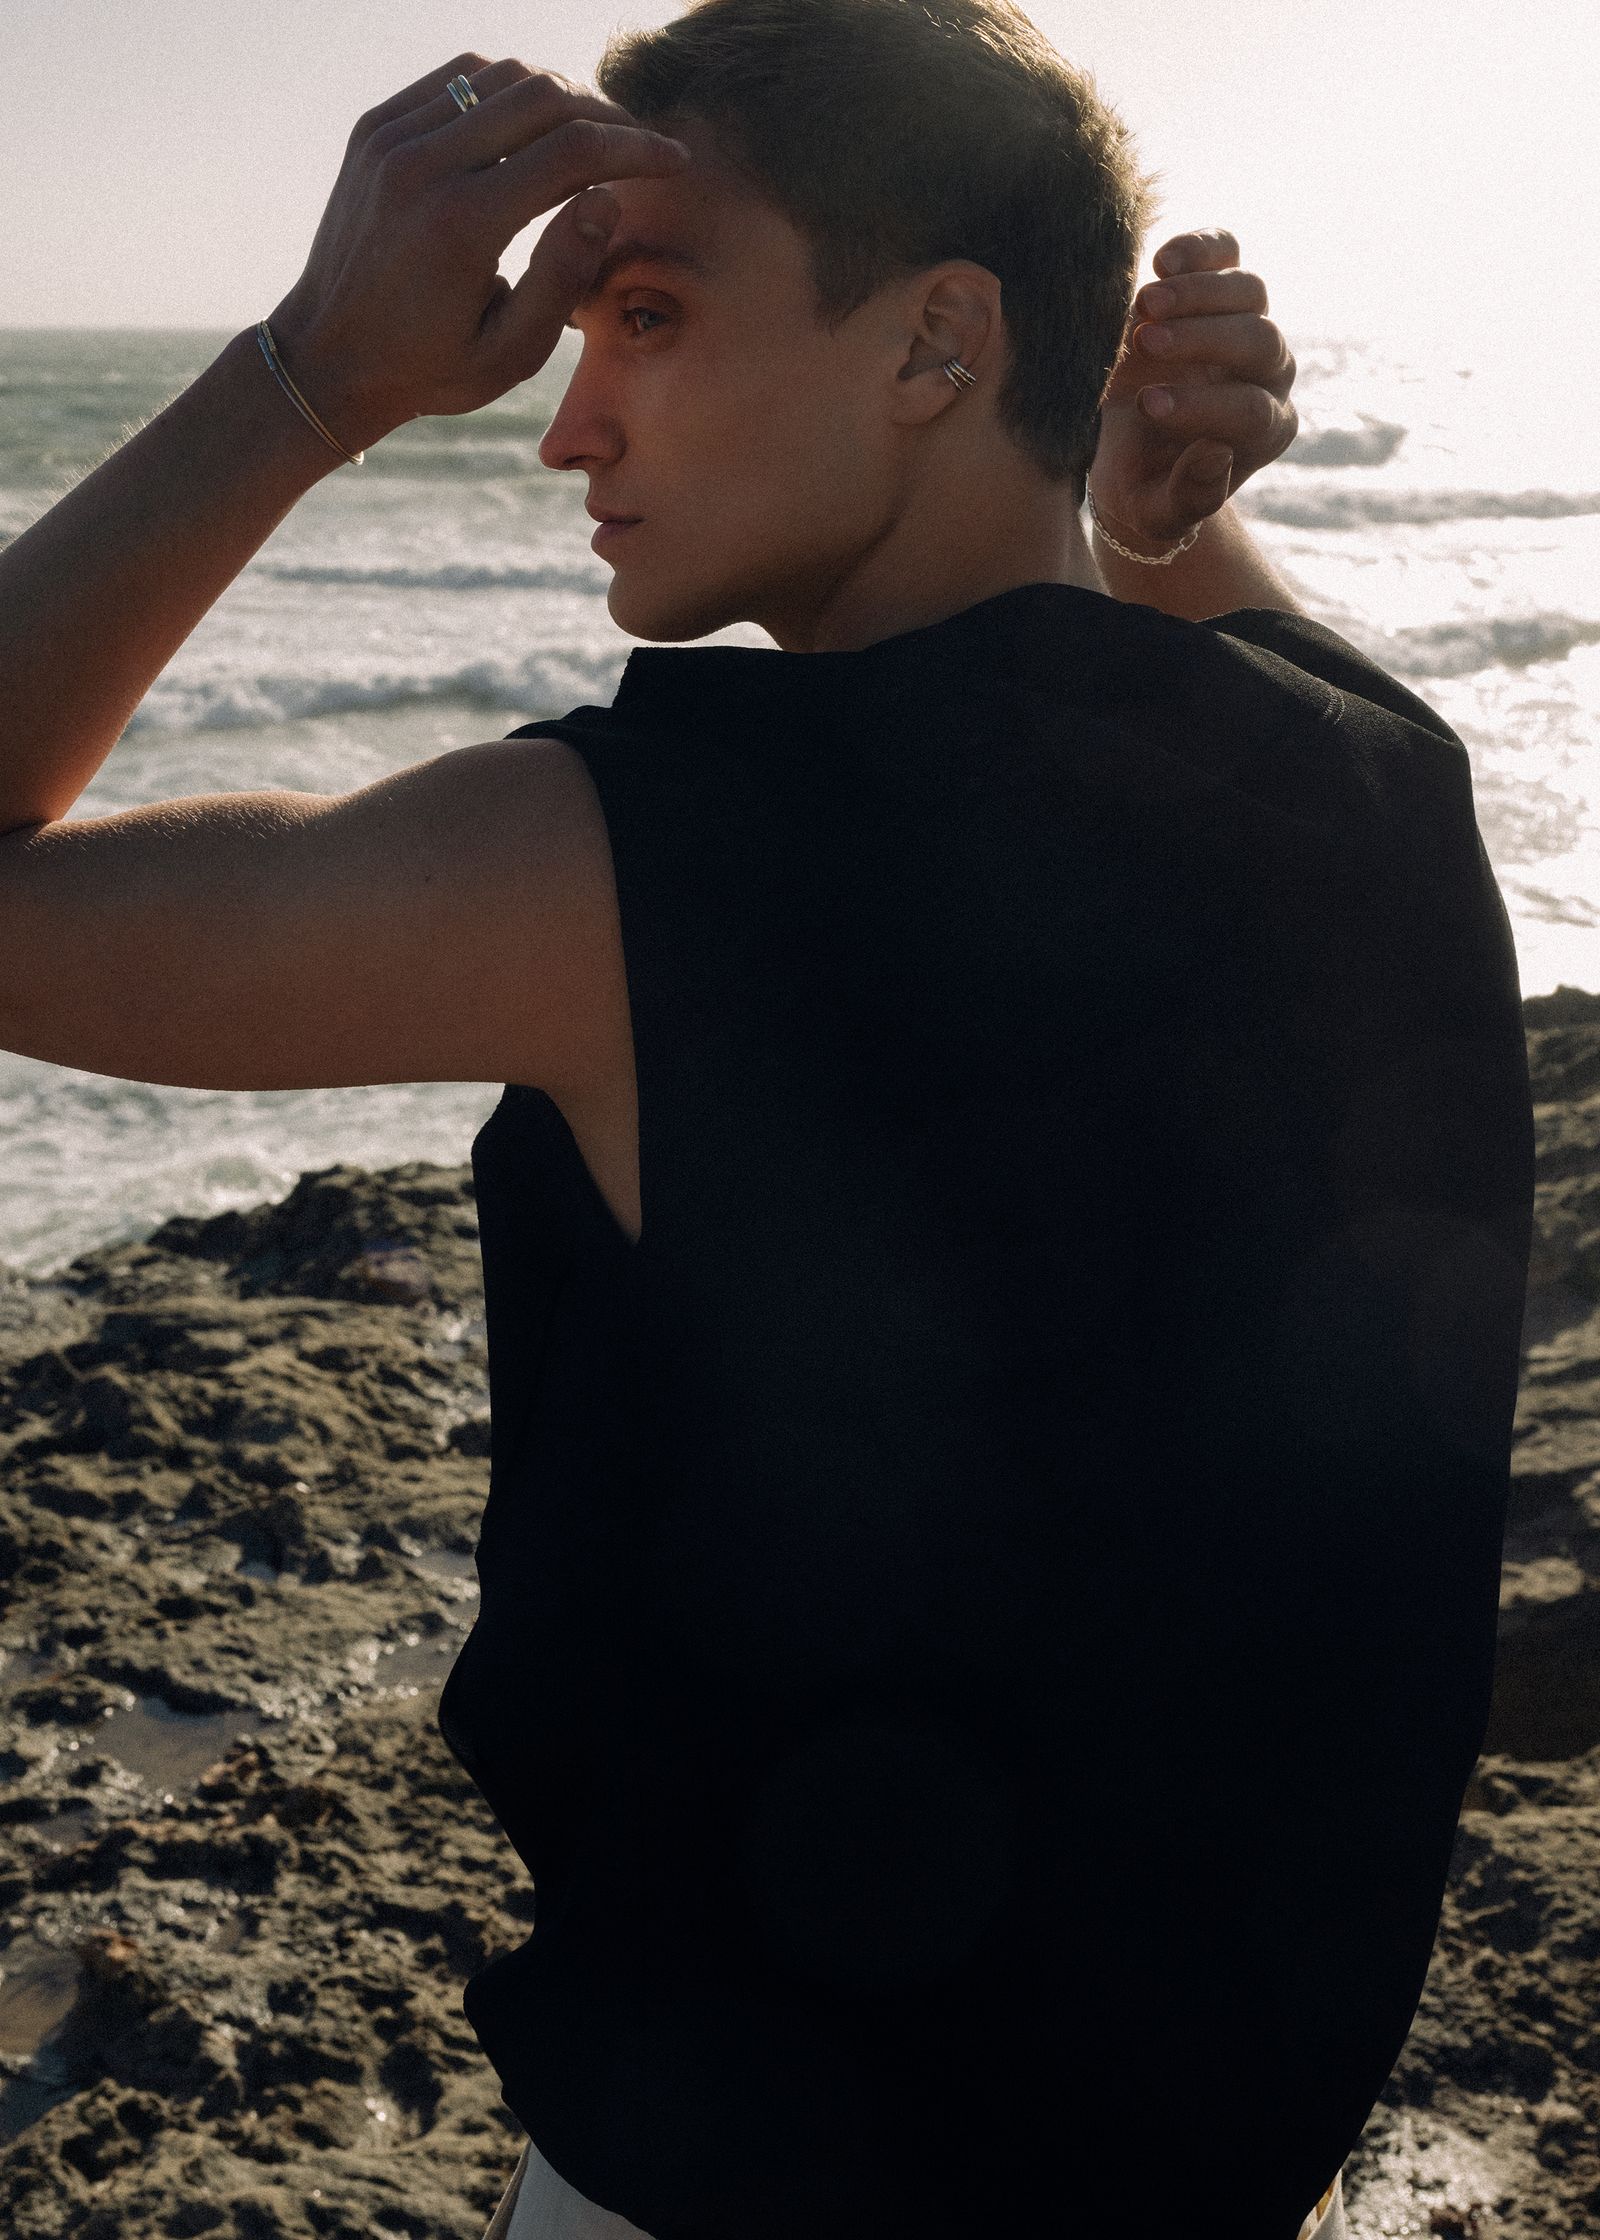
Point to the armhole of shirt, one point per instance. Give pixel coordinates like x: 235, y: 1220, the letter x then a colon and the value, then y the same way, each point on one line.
x: 639, y: 783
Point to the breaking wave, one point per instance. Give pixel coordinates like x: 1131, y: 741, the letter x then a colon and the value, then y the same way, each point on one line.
x: 1461, y: 649
x: 1367, y: 443
x: 541, y: 684
x: 449, y: 575
x: 1338, y: 507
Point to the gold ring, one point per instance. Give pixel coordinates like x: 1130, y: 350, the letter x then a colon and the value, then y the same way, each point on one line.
x: 461, y: 93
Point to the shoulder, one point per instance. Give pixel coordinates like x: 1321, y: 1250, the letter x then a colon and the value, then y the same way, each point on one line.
x: 543, y: 910
x: 1298, y: 642
x: 449, y: 922
x: 536, y: 809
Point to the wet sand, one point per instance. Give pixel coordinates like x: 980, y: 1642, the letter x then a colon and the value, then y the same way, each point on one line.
x: 242, y: 1880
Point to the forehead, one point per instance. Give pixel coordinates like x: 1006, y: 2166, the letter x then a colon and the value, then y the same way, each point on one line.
x: 708, y: 221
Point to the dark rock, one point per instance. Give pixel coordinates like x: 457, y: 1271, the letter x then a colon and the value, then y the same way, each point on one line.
x: 1547, y: 1678
x: 105, y: 1414
x: 472, y: 1436
x: 389, y: 1270
x: 410, y: 2071
x: 71, y: 1700
x: 182, y: 1335
x: 189, y: 2219
x: 70, y: 1498
x: 337, y: 1235
x: 1564, y: 1007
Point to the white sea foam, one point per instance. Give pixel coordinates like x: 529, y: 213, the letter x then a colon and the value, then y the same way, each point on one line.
x: 460, y: 458
x: 448, y: 575
x: 1337, y: 506
x: 539, y: 684
x: 1365, y: 442
x: 1461, y: 649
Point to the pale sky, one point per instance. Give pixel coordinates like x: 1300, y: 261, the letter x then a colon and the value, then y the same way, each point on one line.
x: 1390, y: 167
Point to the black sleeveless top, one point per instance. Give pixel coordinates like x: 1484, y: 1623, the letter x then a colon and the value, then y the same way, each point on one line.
x: 988, y: 1610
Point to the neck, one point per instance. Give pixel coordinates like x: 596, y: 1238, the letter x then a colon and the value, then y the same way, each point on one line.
x: 942, y: 555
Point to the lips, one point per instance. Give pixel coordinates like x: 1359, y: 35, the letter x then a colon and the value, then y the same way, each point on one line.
x: 596, y: 515
x: 610, y: 528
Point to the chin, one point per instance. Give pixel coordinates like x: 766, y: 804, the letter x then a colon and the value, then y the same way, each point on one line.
x: 670, y: 617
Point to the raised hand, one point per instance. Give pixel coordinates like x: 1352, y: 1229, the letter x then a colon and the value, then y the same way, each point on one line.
x: 1199, y: 330
x: 401, y: 308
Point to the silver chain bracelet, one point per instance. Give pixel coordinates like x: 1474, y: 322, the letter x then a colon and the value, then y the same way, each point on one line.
x: 1144, y: 560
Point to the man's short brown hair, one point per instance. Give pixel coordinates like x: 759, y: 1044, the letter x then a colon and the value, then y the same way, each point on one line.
x: 894, y: 135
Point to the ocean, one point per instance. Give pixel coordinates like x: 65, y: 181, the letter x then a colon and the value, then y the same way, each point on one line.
x: 1432, y: 509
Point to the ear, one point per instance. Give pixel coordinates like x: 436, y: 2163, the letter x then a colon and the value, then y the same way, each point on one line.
x: 950, y: 311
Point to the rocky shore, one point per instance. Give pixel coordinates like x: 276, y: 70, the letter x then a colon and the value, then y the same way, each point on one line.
x: 242, y: 1880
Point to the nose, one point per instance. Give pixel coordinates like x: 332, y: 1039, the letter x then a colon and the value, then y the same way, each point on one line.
x: 583, y: 433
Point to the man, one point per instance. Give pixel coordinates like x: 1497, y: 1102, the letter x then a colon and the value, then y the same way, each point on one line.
x: 1013, y: 1184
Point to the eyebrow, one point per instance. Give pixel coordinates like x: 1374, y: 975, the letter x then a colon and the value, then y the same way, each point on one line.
x: 637, y: 251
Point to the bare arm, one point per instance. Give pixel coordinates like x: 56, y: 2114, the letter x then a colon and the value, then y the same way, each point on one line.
x: 420, y: 929
x: 99, y: 594
x: 1223, y: 570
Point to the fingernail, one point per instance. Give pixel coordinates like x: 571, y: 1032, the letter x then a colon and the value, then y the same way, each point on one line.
x: 597, y: 216
x: 1158, y: 301
x: 1158, y: 401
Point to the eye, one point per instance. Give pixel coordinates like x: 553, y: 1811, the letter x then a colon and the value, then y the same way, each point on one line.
x: 637, y: 310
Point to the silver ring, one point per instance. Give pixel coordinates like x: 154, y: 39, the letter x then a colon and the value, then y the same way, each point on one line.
x: 461, y: 93
x: 959, y: 376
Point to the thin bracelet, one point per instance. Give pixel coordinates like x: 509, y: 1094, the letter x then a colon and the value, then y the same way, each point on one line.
x: 1144, y: 560
x: 269, y: 350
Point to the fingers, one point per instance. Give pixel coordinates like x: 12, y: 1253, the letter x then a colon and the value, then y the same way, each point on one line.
x: 1206, y: 251
x: 488, y: 80
x: 1243, y: 345
x: 515, y: 104
x: 522, y: 325
x: 1201, y: 480
x: 1197, y: 292
x: 417, y: 94
x: 580, y: 153
x: 1239, y: 414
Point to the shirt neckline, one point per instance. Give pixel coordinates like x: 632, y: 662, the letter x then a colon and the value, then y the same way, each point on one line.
x: 1034, y: 624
